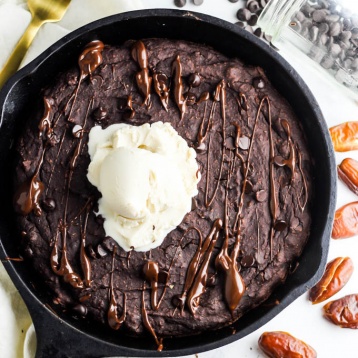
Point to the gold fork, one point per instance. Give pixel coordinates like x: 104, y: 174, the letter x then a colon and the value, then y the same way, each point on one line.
x: 42, y: 11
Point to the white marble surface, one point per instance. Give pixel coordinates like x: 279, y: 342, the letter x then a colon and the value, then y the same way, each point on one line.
x: 301, y: 318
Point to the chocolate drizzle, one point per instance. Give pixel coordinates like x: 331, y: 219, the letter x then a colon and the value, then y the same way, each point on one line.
x: 88, y: 61
x: 178, y: 86
x: 234, y: 284
x: 220, y: 95
x: 192, y: 268
x: 144, y: 80
x: 148, y: 326
x: 85, y: 262
x: 151, y: 272
x: 302, y: 206
x: 161, y: 88
x: 45, y: 128
x: 65, y: 269
x: 201, y: 276
x: 27, y: 196
x: 114, y: 320
x: 290, y: 162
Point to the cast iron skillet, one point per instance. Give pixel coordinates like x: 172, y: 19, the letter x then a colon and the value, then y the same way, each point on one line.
x: 62, y: 336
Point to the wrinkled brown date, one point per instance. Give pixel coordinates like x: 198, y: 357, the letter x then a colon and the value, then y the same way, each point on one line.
x: 336, y: 275
x: 281, y: 344
x: 348, y: 173
x: 343, y: 312
x: 345, y: 136
x: 346, y: 221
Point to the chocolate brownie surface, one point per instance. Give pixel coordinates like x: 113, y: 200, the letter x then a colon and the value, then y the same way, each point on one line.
x: 253, y: 193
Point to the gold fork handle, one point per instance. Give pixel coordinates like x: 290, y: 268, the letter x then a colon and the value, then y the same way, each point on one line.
x: 14, y: 61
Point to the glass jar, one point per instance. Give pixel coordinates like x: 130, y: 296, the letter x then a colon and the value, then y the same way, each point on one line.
x: 324, y: 30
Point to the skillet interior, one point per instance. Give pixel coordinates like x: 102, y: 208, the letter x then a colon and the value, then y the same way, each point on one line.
x: 68, y: 337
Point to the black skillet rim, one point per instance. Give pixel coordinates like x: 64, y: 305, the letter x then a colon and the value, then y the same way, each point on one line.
x: 32, y: 300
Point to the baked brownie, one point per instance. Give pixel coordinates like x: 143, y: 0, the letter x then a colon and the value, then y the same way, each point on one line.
x: 248, y: 223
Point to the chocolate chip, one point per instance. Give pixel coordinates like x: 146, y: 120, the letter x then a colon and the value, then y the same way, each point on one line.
x: 211, y: 281
x: 319, y: 15
x: 198, y: 2
x: 201, y: 148
x: 279, y: 161
x: 99, y: 114
x: 334, y: 28
x: 258, y: 32
x: 77, y: 131
x: 49, y: 204
x: 244, y: 143
x: 280, y: 225
x: 253, y: 6
x: 179, y: 3
x: 258, y: 83
x: 243, y: 14
x: 190, y: 98
x: 247, y: 261
x: 253, y: 20
x: 233, y: 1
x: 194, y: 80
x: 101, y: 251
x: 80, y: 310
x: 204, y: 97
x: 240, y: 24
x: 261, y: 195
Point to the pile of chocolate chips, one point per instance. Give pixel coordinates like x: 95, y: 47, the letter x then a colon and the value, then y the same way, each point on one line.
x: 181, y: 3
x: 333, y: 30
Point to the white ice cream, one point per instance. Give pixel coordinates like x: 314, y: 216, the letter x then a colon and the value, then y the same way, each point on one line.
x: 147, y: 176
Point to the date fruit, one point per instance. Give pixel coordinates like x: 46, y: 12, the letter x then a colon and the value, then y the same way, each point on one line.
x: 348, y: 173
x: 345, y: 222
x: 343, y: 312
x: 337, y: 274
x: 345, y: 136
x: 281, y: 344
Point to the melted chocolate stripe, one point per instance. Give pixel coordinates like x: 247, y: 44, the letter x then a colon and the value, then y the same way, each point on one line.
x: 302, y: 206
x: 65, y: 269
x: 273, y: 199
x: 45, y: 128
x: 148, y: 326
x: 88, y: 61
x: 27, y: 197
x: 220, y: 94
x: 114, y: 321
x: 84, y: 259
x: 178, y: 86
x: 199, y: 284
x: 290, y: 162
x: 192, y: 268
x: 144, y: 81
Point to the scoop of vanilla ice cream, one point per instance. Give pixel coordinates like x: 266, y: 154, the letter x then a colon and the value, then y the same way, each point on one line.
x: 147, y: 176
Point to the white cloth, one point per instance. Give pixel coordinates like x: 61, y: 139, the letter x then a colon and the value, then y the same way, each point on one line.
x: 16, y: 329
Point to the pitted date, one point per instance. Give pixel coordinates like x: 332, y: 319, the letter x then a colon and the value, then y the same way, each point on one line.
x: 343, y: 312
x: 348, y: 173
x: 336, y: 275
x: 345, y: 136
x: 281, y: 344
x: 346, y: 221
